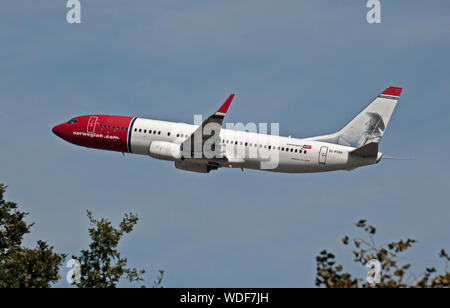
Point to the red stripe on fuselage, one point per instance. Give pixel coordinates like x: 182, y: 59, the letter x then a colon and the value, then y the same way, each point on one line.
x: 97, y: 131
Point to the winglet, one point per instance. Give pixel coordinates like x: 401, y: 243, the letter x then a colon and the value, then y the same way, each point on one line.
x: 223, y: 110
x: 393, y: 91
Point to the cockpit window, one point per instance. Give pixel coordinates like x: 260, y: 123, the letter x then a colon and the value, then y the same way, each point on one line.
x: 72, y: 121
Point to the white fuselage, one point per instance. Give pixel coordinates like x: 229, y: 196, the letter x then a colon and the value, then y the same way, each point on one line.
x: 252, y: 150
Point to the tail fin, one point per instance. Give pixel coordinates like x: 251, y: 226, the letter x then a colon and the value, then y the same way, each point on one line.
x: 369, y: 125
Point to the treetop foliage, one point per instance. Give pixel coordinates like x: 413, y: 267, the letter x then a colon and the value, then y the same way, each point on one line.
x: 393, y: 274
x: 22, y: 267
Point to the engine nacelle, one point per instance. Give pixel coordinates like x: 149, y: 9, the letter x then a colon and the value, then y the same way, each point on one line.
x: 165, y: 150
x: 195, y: 167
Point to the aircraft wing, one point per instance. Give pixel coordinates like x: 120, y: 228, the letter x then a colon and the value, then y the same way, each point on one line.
x: 209, y: 130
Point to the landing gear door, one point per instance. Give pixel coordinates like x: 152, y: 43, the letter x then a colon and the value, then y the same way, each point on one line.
x: 323, y: 155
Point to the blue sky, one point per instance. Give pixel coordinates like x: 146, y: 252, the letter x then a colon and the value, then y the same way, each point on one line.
x: 309, y: 65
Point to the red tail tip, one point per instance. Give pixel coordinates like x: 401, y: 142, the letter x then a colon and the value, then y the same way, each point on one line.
x: 393, y: 91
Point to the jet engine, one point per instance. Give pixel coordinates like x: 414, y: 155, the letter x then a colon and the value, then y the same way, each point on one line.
x: 165, y: 150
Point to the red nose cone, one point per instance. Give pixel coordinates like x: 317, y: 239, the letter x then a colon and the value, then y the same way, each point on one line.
x: 57, y: 130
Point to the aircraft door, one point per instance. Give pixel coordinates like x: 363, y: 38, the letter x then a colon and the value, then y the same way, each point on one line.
x: 323, y: 155
x: 91, y: 124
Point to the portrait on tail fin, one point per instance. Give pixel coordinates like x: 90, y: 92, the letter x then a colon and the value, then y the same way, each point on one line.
x: 371, y: 130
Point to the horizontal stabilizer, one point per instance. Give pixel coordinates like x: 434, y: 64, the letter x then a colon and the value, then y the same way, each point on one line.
x: 367, y: 150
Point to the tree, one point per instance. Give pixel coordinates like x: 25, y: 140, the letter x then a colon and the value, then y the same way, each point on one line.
x: 22, y: 267
x: 102, y: 266
x: 392, y: 274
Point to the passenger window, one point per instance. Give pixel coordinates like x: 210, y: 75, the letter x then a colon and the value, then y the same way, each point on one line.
x: 168, y: 134
x: 145, y: 130
x: 140, y: 130
x: 135, y: 129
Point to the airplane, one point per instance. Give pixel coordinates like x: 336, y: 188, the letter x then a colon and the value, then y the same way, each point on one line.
x: 207, y: 146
